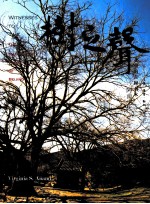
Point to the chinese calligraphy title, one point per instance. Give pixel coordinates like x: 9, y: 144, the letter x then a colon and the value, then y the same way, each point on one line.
x: 122, y: 42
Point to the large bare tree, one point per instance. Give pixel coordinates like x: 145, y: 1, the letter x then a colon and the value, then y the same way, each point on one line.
x: 74, y: 80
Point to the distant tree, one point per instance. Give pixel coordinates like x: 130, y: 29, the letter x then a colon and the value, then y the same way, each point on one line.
x: 69, y: 89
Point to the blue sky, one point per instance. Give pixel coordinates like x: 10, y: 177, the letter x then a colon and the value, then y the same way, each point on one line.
x: 131, y: 8
x: 139, y: 8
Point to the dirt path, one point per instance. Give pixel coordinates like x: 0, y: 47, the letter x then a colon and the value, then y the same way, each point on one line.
x: 49, y: 195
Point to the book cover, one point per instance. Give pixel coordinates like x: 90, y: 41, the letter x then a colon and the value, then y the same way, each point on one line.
x: 74, y: 101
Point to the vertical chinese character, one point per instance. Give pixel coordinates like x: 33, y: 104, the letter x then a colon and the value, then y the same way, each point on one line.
x: 54, y: 35
x: 47, y: 33
x: 115, y: 39
x: 126, y: 33
x: 86, y: 35
x: 122, y: 42
x: 58, y: 31
x: 71, y: 33
x: 124, y: 56
x: 116, y: 43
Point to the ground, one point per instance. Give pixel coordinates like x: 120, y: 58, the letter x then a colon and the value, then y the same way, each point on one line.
x: 50, y: 195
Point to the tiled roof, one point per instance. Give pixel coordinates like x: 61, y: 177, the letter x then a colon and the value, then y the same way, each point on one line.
x: 70, y: 166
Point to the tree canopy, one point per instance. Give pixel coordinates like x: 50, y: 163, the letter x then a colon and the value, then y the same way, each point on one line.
x: 74, y: 79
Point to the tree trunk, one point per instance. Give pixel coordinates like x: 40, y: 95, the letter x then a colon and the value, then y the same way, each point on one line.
x: 25, y: 171
x: 22, y: 181
x: 1, y: 183
x: 36, y: 149
x: 22, y: 188
x: 83, y: 180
